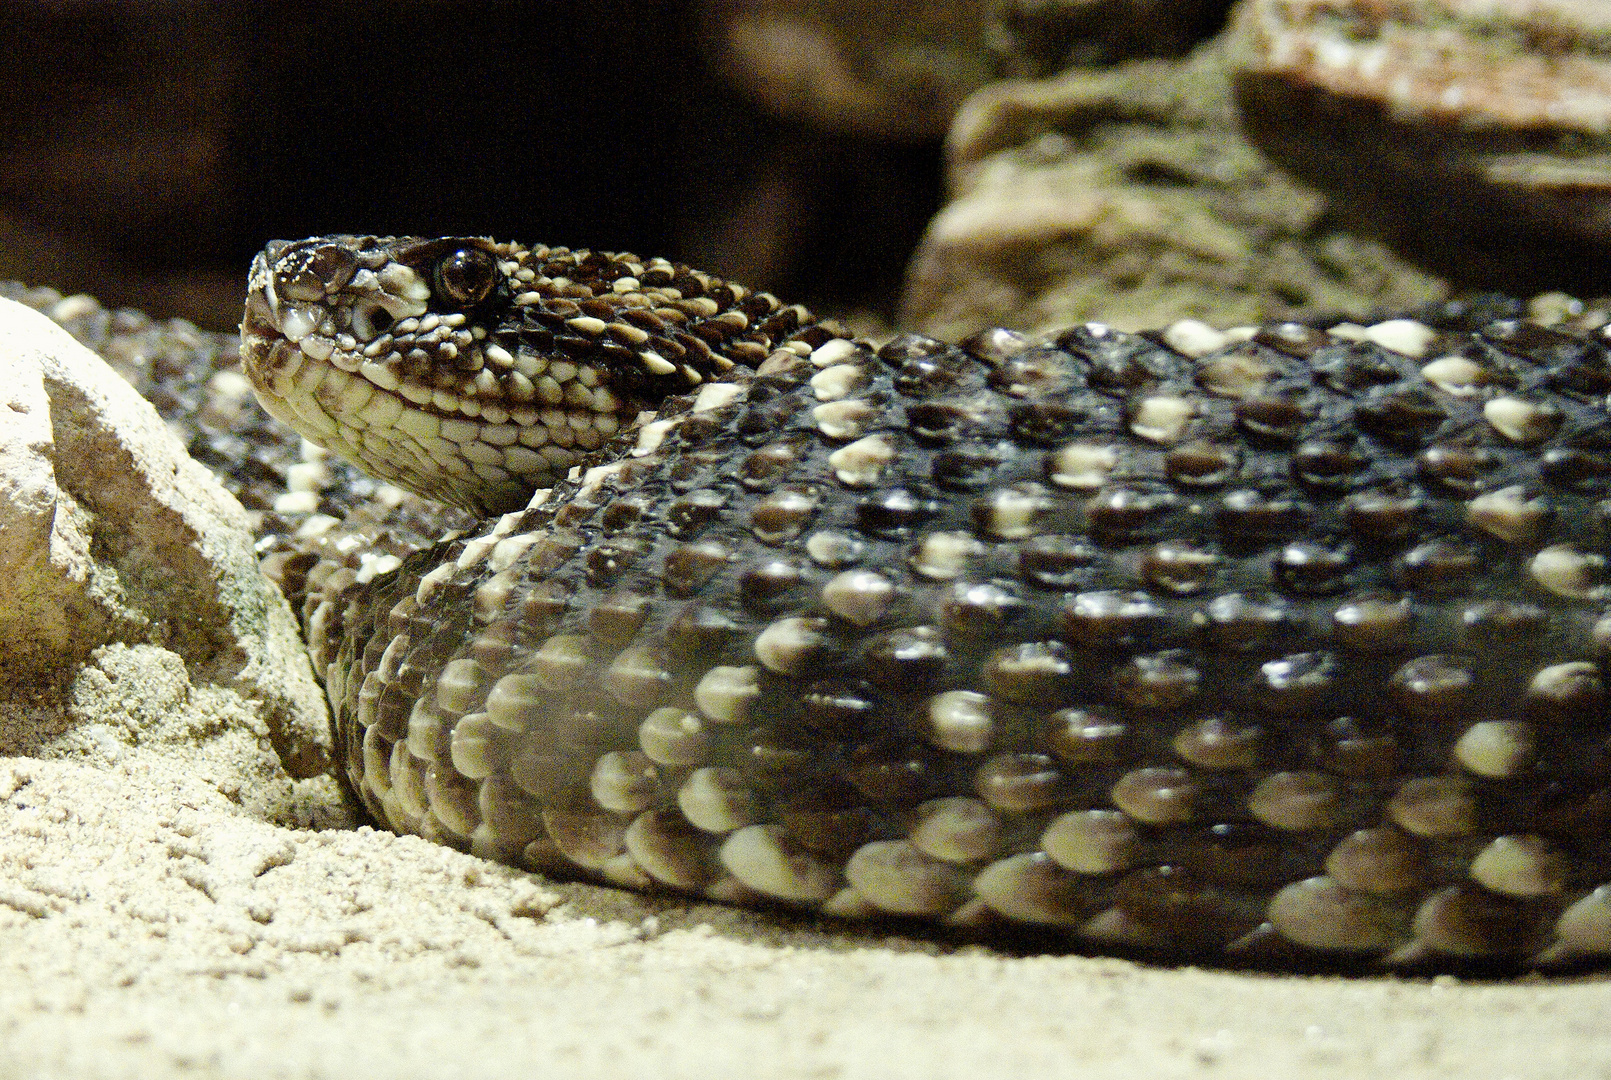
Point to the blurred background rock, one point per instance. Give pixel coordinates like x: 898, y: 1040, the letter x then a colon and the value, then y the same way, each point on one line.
x: 1032, y: 162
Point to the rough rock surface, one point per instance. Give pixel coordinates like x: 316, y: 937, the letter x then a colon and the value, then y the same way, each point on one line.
x: 1485, y: 124
x: 1131, y: 196
x: 136, y: 619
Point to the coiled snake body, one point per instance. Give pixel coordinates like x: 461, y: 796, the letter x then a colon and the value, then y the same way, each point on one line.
x: 1279, y: 642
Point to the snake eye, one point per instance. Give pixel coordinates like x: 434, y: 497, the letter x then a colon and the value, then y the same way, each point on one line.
x: 466, y: 276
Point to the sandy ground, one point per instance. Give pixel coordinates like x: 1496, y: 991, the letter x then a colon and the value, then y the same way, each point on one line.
x: 161, y: 916
x: 149, y: 928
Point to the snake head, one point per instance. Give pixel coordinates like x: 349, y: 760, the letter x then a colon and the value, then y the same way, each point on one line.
x: 475, y: 372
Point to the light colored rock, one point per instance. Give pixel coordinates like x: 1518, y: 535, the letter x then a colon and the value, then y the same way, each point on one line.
x: 1473, y: 134
x: 1131, y: 196
x: 136, y: 619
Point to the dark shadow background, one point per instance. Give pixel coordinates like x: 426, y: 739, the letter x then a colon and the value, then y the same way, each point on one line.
x: 147, y: 150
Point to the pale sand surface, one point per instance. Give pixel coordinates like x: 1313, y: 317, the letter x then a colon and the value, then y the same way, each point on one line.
x: 160, y: 917
x: 148, y: 928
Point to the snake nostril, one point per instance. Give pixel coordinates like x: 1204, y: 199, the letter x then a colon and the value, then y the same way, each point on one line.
x: 333, y: 265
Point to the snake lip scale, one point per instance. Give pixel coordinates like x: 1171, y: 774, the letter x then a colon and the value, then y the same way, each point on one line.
x: 1281, y: 644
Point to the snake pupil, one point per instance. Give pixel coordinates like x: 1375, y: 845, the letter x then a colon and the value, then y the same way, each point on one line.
x: 466, y: 276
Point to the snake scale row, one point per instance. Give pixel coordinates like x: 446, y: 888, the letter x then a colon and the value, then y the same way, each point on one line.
x: 1280, y: 643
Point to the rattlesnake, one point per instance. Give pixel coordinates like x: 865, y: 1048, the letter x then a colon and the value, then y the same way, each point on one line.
x: 1273, y: 643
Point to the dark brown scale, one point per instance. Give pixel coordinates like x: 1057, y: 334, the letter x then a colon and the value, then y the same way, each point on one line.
x: 698, y: 632
x: 1179, y: 567
x: 770, y: 586
x: 1243, y: 856
x: 907, y: 661
x: 965, y: 469
x: 769, y: 464
x: 619, y: 616
x: 1119, y: 361
x: 1249, y: 622
x: 1439, y: 567
x: 1036, y: 672
x: 1129, y: 514
x: 1300, y: 684
x: 831, y: 819
x: 1356, y: 368
x: 1294, y: 339
x: 1401, y: 418
x: 995, y: 345
x: 1274, y: 416
x: 688, y: 516
x: 1463, y: 469
x: 1201, y: 464
x: 1571, y: 467
x: 888, y: 771
x: 1111, y: 619
x: 1307, y: 684
x: 690, y: 567
x: 839, y: 709
x: 894, y: 513
x: 1328, y: 463
x: 1389, y: 513
x: 1435, y: 687
x: 1183, y: 910
x: 940, y: 421
x: 1049, y: 423
x: 1249, y: 514
x: 1312, y: 568
x: 1088, y: 736
x: 778, y: 765
x: 1158, y: 681
x: 979, y: 611
x: 1055, y: 562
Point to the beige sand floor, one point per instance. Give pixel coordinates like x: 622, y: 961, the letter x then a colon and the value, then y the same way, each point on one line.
x: 148, y: 929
